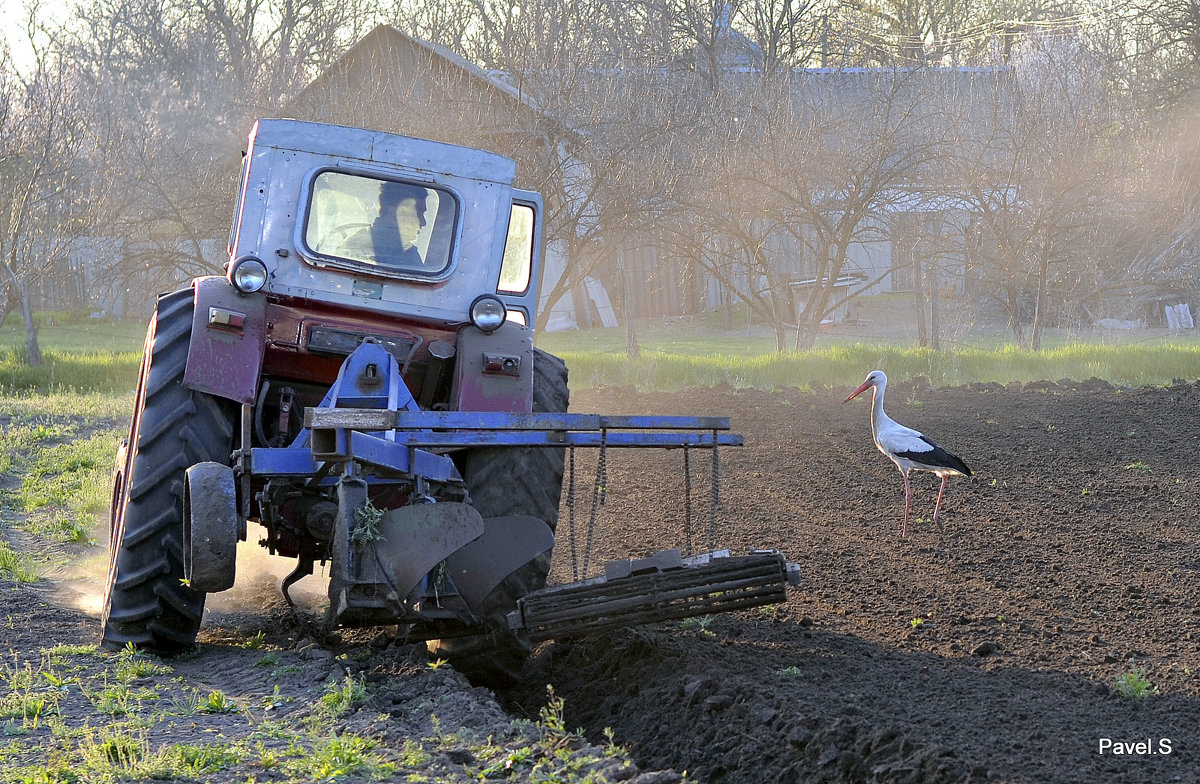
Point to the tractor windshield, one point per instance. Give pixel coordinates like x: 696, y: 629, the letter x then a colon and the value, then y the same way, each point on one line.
x: 380, y: 226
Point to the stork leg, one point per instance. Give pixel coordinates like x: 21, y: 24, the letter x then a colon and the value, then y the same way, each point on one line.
x: 907, y: 506
x: 938, y: 506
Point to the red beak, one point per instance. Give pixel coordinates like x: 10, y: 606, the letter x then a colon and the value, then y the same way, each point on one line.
x: 862, y: 388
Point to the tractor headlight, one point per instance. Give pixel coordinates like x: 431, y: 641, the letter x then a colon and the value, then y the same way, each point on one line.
x: 248, y: 274
x: 488, y: 312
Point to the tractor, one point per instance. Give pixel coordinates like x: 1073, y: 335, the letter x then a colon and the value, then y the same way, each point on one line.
x: 362, y: 385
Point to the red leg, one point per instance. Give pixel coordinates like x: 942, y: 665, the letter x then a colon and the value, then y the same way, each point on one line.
x: 938, y: 507
x: 907, y: 507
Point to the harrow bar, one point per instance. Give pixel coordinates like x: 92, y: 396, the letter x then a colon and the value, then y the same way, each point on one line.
x: 716, y: 585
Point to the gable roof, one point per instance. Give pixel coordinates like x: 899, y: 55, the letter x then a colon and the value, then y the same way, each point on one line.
x: 384, y: 37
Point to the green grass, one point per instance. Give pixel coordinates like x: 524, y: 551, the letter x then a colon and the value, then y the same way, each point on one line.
x: 57, y: 451
x: 82, y: 355
x: 15, y: 566
x: 103, y: 371
x: 103, y: 357
x: 845, y: 365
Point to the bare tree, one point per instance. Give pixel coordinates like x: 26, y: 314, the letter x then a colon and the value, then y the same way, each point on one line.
x: 835, y: 153
x: 1040, y: 186
x: 601, y: 114
x: 1160, y: 39
x: 179, y: 83
x: 42, y: 139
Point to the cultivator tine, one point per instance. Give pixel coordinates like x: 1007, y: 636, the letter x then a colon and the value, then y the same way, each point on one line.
x: 722, y: 584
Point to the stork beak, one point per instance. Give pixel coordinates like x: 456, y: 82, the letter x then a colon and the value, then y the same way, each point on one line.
x: 862, y: 388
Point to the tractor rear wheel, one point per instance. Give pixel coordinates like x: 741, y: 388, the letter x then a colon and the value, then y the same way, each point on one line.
x: 146, y: 602
x: 512, y: 481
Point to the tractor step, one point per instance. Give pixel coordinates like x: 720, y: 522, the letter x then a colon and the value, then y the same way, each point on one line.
x: 662, y: 587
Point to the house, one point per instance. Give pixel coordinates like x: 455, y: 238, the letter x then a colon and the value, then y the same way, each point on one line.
x: 391, y: 81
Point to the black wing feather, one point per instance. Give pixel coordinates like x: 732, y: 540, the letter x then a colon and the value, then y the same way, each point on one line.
x: 937, y: 456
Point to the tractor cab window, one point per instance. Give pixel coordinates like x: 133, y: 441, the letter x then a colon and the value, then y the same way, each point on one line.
x: 518, y: 250
x: 380, y: 226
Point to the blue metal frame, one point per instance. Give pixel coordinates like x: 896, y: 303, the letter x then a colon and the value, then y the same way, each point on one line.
x: 370, y: 379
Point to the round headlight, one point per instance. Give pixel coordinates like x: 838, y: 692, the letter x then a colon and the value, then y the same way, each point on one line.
x: 488, y: 312
x: 248, y: 274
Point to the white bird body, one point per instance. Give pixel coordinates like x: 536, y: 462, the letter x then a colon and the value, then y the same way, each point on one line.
x: 909, y: 449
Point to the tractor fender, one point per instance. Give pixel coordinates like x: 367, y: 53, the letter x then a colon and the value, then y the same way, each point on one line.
x: 225, y: 354
x: 494, y: 370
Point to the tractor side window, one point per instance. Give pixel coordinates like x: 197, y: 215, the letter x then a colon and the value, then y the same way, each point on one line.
x: 518, y: 250
x: 380, y: 225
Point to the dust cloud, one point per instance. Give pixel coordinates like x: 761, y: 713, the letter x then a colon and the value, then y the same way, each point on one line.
x: 255, y: 588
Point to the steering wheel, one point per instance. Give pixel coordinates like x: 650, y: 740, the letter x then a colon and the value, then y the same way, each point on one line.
x: 339, y: 234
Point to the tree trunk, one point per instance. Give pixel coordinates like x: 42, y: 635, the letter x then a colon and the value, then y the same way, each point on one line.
x: 1013, y: 299
x: 918, y: 274
x: 632, y: 350
x: 934, y: 316
x: 20, y: 289
x: 7, y: 304
x: 33, y: 352
x: 1039, y: 307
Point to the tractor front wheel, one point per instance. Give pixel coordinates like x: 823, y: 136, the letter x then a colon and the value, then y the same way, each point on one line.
x: 147, y: 602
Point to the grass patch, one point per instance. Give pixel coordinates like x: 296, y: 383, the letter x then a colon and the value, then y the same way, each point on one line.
x: 343, y: 755
x: 845, y: 365
x: 70, y: 371
x: 15, y: 566
x: 57, y: 451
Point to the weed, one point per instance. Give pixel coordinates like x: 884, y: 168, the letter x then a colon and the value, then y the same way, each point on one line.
x: 790, y: 671
x: 414, y: 755
x: 218, y: 702
x: 366, y: 524
x: 16, y: 566
x: 60, y: 652
x: 340, y: 698
x: 1138, y: 465
x: 133, y: 665
x: 344, y: 755
x: 1133, y: 685
x: 917, y: 623
x: 700, y: 624
x: 274, y: 700
x: 269, y: 660
x: 120, y: 753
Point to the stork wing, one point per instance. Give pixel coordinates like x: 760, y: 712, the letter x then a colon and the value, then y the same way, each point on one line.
x: 900, y: 440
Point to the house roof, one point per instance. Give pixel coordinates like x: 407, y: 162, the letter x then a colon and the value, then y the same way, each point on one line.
x: 386, y: 36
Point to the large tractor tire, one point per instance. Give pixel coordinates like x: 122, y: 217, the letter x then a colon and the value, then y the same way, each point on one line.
x: 147, y: 603
x: 512, y: 481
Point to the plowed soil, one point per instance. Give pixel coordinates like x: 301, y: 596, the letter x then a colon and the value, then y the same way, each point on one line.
x: 991, y: 651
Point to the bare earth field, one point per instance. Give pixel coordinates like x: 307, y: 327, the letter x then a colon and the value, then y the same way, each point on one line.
x: 989, y: 652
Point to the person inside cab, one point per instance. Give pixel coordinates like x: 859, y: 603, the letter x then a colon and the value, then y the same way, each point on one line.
x: 392, y: 237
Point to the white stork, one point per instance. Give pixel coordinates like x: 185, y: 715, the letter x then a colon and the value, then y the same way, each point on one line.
x: 907, y: 448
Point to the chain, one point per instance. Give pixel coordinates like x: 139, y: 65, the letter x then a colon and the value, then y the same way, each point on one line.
x: 598, y: 492
x: 716, y: 495
x: 571, y: 512
x: 687, y: 498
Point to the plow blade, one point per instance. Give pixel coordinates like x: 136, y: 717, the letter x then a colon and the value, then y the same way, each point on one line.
x: 705, y: 586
